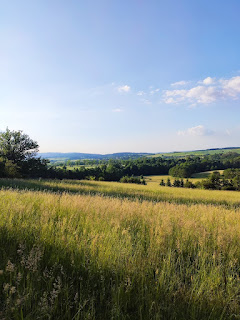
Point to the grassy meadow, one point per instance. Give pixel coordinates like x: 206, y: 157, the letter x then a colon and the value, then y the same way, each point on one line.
x: 151, y: 191
x: 197, y: 152
x: 194, y: 178
x: 105, y: 250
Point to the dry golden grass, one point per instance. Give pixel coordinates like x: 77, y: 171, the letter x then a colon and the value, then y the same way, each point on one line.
x: 150, y: 192
x: 118, y: 258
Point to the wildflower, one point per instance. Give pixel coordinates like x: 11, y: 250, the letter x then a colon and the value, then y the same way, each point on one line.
x: 10, y: 266
x: 18, y: 302
x: 76, y: 298
x: 6, y: 287
x: 21, y: 249
x: 33, y: 259
x: 12, y: 290
x: 43, y: 303
x: 19, y: 277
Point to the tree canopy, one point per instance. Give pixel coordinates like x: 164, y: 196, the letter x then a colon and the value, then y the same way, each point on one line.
x: 17, y: 146
x: 18, y: 155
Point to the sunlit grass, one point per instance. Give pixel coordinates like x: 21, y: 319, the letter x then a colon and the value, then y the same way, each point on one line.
x: 101, y: 255
x: 151, y: 192
x: 155, y: 180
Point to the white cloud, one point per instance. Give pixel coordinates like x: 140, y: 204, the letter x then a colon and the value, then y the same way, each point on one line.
x: 154, y: 91
x: 198, y: 94
x: 117, y: 110
x: 169, y: 100
x: 124, y: 88
x: 140, y: 93
x: 231, y: 86
x: 212, y: 90
x: 199, y: 130
x: 179, y: 83
x: 208, y: 81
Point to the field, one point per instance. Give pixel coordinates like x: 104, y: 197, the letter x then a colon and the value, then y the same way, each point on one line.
x: 105, y: 250
x: 155, y: 180
x: 197, y: 152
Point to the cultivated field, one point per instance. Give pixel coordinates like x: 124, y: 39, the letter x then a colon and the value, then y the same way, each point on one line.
x: 99, y: 250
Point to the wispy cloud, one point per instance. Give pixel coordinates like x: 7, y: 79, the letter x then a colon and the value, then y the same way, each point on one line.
x: 210, y: 91
x: 199, y: 130
x: 179, y: 83
x: 154, y: 91
x: 124, y: 88
x: 117, y: 110
x: 146, y: 101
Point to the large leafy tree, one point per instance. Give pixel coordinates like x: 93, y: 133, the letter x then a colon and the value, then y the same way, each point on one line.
x: 17, y: 146
x: 18, y: 149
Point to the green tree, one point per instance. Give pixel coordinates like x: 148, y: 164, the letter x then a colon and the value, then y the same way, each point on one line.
x: 19, y: 151
x: 182, y: 183
x: 17, y: 146
x: 169, y: 183
x: 236, y: 183
x: 11, y: 169
x: 69, y: 163
x: 162, y: 183
x: 2, y: 167
x: 189, y: 184
x: 176, y: 183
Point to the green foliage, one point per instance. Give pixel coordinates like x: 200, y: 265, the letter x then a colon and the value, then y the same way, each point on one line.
x: 183, y: 170
x: 162, y: 183
x: 11, y: 169
x: 181, y: 183
x: 213, y: 182
x: 17, y: 146
x: 176, y: 183
x: 18, y: 156
x: 231, y: 173
x: 189, y: 184
x: 2, y: 167
x: 229, y: 181
x: 168, y: 184
x: 127, y: 179
x: 114, y: 170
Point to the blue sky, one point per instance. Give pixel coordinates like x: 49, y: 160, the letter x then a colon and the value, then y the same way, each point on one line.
x: 112, y: 76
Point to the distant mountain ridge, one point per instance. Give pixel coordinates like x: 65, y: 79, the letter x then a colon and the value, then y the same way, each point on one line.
x: 130, y: 155
x: 91, y: 156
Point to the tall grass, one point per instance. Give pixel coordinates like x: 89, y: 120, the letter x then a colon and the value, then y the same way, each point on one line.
x: 123, y: 190
x: 66, y: 256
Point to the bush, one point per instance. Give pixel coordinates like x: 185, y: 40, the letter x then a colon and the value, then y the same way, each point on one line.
x: 189, y: 184
x: 127, y: 179
x: 162, y: 183
x: 168, y: 184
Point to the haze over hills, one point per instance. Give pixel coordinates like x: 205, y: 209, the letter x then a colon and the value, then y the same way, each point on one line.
x: 131, y: 155
x: 77, y: 156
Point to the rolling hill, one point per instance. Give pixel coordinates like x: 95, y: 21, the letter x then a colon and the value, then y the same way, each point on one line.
x: 56, y: 156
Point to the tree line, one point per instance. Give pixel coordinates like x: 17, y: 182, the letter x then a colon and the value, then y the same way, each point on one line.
x: 230, y: 180
x: 18, y: 158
